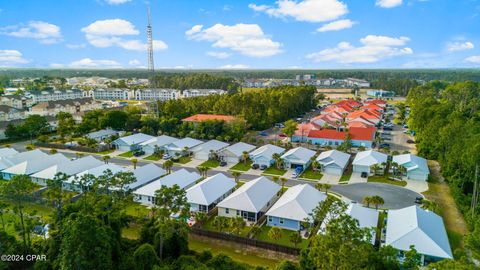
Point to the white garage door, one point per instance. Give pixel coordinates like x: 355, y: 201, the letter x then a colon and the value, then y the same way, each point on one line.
x: 232, y: 160
x: 334, y: 171
x: 201, y: 156
x: 358, y: 168
x: 125, y: 148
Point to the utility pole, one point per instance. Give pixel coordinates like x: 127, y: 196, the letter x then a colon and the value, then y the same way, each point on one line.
x: 151, y: 66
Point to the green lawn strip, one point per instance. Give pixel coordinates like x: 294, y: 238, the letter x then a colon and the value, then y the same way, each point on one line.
x: 136, y: 210
x: 241, y: 255
x: 153, y: 158
x: 209, y: 226
x: 106, y: 152
x: 210, y: 163
x: 132, y: 231
x: 242, y: 167
x: 128, y: 154
x: 345, y: 177
x: 384, y: 179
x: 274, y: 171
x: 184, y: 160
x: 455, y: 239
x: 310, y: 174
x: 284, y: 239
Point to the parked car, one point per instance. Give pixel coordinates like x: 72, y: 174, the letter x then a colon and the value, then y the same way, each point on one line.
x: 282, y: 135
x: 139, y: 153
x: 166, y: 156
x: 384, y: 145
x: 419, y: 200
x: 223, y: 163
x: 255, y: 166
x: 263, y: 167
x: 297, y: 172
x: 364, y: 175
x: 405, y: 126
x: 386, y: 133
x: 387, y: 128
x: 410, y: 141
x: 279, y: 125
x: 263, y: 133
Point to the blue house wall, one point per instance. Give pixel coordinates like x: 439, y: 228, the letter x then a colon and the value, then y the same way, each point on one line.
x: 332, y: 142
x: 289, y: 224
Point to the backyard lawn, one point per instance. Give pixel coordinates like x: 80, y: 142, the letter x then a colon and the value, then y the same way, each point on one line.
x: 210, y: 163
x: 384, y: 179
x: 184, y: 160
x: 106, y: 152
x: 128, y: 154
x: 209, y: 226
x: 136, y: 210
x: 345, y: 177
x: 284, y: 239
x: 153, y: 158
x: 311, y: 174
x: 274, y: 171
x: 242, y: 166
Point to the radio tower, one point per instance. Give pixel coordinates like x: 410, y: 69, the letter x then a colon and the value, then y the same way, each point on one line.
x: 151, y: 68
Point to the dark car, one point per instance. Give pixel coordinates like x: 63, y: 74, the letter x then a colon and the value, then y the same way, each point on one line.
x: 263, y: 133
x: 410, y: 141
x: 263, y: 167
x: 384, y: 145
x: 364, y: 175
x: 419, y: 200
x: 139, y: 153
x: 255, y: 166
x: 387, y: 128
x: 223, y: 163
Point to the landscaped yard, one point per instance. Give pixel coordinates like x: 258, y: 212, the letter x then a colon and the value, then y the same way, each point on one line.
x: 128, y: 154
x: 209, y: 226
x: 242, y: 166
x: 106, y: 152
x: 210, y: 163
x: 153, y: 158
x: 274, y: 171
x: 284, y: 239
x: 184, y: 160
x: 136, y: 210
x: 384, y: 179
x: 345, y: 177
x: 311, y: 174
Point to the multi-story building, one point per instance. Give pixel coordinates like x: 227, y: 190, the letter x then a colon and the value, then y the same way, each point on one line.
x: 8, y: 113
x: 51, y: 95
x: 202, y: 92
x: 358, y: 82
x: 72, y: 106
x: 16, y: 101
x: 157, y: 94
x: 112, y: 94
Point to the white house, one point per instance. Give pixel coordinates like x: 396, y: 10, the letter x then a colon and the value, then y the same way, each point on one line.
x: 205, y: 195
x: 182, y: 178
x: 9, y: 161
x: 205, y: 150
x: 157, y: 142
x: 416, y: 167
x: 129, y: 143
x: 294, y: 207
x: 5, y: 152
x: 68, y: 168
x: 364, y: 161
x: 32, y: 166
x: 145, y: 175
x: 234, y: 153
x: 298, y: 157
x: 421, y: 228
x: 366, y: 217
x: 102, y: 134
x: 251, y: 200
x: 264, y: 155
x: 70, y: 184
x: 180, y: 146
x: 333, y: 161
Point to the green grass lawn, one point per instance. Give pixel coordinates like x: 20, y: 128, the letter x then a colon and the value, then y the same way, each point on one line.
x: 345, y: 177
x: 241, y: 166
x: 284, y: 239
x: 274, y: 171
x: 384, y: 179
x: 311, y: 174
x: 128, y: 154
x: 106, y: 152
x: 153, y: 158
x: 209, y: 226
x: 210, y: 163
x: 136, y: 210
x: 184, y: 160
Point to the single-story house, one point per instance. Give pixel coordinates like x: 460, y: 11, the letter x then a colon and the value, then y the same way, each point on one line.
x: 181, y: 146
x: 251, y: 200
x: 207, y: 150
x: 364, y: 161
x: 102, y: 134
x: 7, y: 151
x: 234, y: 153
x: 182, y: 178
x: 145, y: 175
x: 416, y: 167
x: 423, y: 229
x: 294, y: 207
x: 32, y: 166
x: 157, y: 142
x: 298, y: 157
x: 366, y: 217
x: 264, y: 155
x: 132, y: 142
x: 68, y: 168
x: 333, y: 161
x: 9, y: 161
x: 360, y: 136
x: 205, y: 195
x: 71, y: 183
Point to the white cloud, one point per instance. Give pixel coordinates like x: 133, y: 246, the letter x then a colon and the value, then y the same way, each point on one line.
x: 11, y: 58
x: 117, y: 2
x: 109, y: 33
x: 237, y: 66
x: 218, y: 55
x: 246, y: 39
x: 373, y: 49
x: 45, y: 33
x: 56, y: 65
x: 76, y: 46
x: 134, y: 62
x: 307, y: 10
x: 388, y: 3
x: 475, y: 59
x: 459, y: 46
x: 336, y: 25
x: 91, y: 63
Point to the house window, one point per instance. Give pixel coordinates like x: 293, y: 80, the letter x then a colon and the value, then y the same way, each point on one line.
x: 281, y: 221
x: 269, y: 219
x: 268, y: 204
x: 227, y: 211
x: 238, y: 212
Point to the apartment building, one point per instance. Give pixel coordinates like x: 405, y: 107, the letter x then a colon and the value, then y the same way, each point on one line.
x: 157, y: 94
x: 52, y: 95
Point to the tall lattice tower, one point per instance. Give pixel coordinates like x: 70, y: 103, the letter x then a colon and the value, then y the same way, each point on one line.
x: 151, y: 67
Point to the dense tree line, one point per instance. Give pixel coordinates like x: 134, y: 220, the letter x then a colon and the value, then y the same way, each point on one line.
x: 195, y: 81
x: 399, y: 86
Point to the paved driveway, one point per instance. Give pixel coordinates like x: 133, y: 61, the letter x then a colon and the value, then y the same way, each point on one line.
x: 357, y: 178
x: 330, y: 179
x: 395, y: 197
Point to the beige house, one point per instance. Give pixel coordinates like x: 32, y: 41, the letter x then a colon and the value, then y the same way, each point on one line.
x: 16, y: 101
x: 72, y: 106
x: 8, y: 113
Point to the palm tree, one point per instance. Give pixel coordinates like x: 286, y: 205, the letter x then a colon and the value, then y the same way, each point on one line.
x: 295, y: 238
x: 277, y: 158
x: 326, y: 187
x: 315, y: 165
x: 167, y: 165
x: 185, y: 151
x: 275, y: 179
x: 238, y: 224
x: 203, y: 170
x: 219, y: 223
x: 319, y: 186
x: 201, y: 217
x: 283, y: 180
x: 377, y: 200
x: 367, y: 201
x: 236, y: 175
x: 275, y: 233
x: 106, y: 158
x: 245, y: 157
x: 375, y: 167
x: 134, y: 162
x: 394, y: 166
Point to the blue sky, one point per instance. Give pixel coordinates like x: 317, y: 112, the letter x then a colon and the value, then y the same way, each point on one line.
x: 241, y: 34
